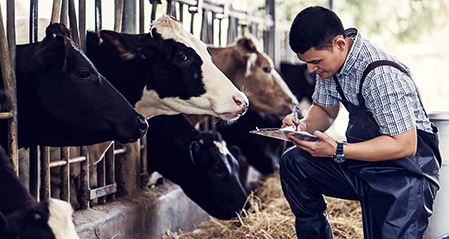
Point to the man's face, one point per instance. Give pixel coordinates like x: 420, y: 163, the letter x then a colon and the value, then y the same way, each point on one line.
x: 325, y: 62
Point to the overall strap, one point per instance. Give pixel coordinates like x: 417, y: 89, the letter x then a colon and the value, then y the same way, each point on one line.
x: 339, y: 89
x: 382, y: 63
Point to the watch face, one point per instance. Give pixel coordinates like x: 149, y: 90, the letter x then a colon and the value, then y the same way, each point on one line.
x: 339, y: 158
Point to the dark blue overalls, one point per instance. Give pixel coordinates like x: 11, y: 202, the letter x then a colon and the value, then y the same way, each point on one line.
x: 396, y: 196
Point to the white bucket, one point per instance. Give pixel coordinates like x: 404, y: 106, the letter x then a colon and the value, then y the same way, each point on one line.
x: 438, y: 222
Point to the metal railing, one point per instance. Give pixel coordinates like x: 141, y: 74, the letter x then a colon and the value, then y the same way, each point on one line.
x: 119, y: 169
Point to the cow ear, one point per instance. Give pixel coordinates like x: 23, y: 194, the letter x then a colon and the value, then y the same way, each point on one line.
x: 247, y: 43
x: 194, y: 149
x: 51, y: 53
x: 127, y: 46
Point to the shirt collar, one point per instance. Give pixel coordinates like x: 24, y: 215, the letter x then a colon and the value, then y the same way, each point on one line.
x: 353, y: 53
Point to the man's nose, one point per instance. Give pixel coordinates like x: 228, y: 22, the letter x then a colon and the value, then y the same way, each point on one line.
x: 312, y: 68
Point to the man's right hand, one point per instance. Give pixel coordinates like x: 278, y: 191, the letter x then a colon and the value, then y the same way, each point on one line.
x: 289, y: 120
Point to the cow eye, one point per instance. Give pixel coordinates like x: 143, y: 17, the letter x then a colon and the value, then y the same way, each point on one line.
x: 182, y: 57
x: 84, y: 75
x: 266, y: 69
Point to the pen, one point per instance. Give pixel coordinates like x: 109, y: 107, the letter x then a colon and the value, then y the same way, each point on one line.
x: 296, y: 114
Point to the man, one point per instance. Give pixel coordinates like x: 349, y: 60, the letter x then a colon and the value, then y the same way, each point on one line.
x: 391, y: 159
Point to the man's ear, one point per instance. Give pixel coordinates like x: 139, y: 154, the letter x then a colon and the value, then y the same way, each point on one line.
x: 339, y: 42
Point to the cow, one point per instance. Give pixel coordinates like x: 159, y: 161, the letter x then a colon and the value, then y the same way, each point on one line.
x: 270, y: 98
x: 166, y: 71
x: 22, y: 217
x: 262, y: 153
x: 199, y: 162
x: 62, y: 100
x: 299, y: 80
x: 254, y: 72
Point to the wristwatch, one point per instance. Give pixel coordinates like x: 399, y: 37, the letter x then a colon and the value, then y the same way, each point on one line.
x: 339, y: 157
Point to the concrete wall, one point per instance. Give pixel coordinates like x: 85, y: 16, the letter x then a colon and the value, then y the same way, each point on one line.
x: 142, y: 215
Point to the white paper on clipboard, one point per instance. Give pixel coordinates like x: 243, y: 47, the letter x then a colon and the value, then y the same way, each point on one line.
x: 281, y: 134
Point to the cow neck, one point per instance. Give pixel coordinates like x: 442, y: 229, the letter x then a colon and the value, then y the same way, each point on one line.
x: 222, y: 57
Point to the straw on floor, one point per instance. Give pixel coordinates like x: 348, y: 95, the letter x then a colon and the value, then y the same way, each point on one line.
x: 271, y: 217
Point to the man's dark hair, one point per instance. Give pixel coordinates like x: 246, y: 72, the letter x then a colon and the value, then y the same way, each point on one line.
x: 314, y: 27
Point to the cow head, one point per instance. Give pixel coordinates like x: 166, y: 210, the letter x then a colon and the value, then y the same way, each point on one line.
x: 254, y: 72
x: 45, y: 220
x: 198, y: 162
x: 222, y: 194
x: 65, y: 101
x: 180, y: 75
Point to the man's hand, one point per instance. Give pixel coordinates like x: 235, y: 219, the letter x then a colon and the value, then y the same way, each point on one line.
x: 324, y: 147
x: 289, y: 120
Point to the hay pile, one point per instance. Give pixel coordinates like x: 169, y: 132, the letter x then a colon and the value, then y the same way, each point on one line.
x: 271, y: 217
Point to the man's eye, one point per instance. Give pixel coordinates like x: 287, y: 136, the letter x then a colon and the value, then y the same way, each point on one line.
x: 84, y: 74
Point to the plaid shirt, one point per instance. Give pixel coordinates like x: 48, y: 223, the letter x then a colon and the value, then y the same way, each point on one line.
x: 389, y: 94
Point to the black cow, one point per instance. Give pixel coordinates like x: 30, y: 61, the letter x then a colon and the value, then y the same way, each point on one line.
x: 262, y: 153
x: 64, y: 101
x: 199, y: 162
x: 299, y: 80
x: 22, y: 217
x: 172, y: 65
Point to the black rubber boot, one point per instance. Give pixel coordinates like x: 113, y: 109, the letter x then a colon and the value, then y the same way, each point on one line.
x: 314, y: 228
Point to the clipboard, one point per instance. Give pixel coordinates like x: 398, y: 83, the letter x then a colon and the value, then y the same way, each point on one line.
x: 281, y: 134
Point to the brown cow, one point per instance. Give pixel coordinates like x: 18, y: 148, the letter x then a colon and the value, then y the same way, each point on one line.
x: 253, y: 72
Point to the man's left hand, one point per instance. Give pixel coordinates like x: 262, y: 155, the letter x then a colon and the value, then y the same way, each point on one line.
x: 324, y: 147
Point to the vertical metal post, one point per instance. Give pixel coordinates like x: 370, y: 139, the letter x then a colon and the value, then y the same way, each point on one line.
x: 55, y: 12
x: 34, y: 171
x: 45, y: 173
x: 110, y: 169
x: 33, y: 20
x: 272, y: 39
x: 154, y: 4
x: 141, y: 16
x: 84, y: 174
x: 64, y: 10
x: 129, y: 16
x: 9, y: 83
x: 118, y: 13
x: 65, y: 175
x: 98, y: 17
x: 73, y: 22
x: 82, y: 27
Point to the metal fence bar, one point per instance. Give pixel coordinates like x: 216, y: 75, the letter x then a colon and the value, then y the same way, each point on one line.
x: 34, y: 171
x: 82, y: 23
x: 73, y: 22
x: 98, y: 17
x: 65, y: 175
x: 84, y: 185
x: 118, y: 7
x: 45, y: 173
x: 63, y: 17
x: 56, y: 10
x: 110, y: 171
x: 141, y: 16
x: 9, y: 84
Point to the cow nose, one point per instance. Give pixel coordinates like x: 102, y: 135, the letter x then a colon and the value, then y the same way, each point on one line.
x: 142, y: 123
x: 240, y: 102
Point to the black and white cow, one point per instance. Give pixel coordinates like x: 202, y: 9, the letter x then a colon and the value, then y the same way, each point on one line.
x: 299, y: 80
x: 199, y: 162
x: 64, y: 101
x: 262, y: 153
x: 174, y: 68
x: 21, y: 217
